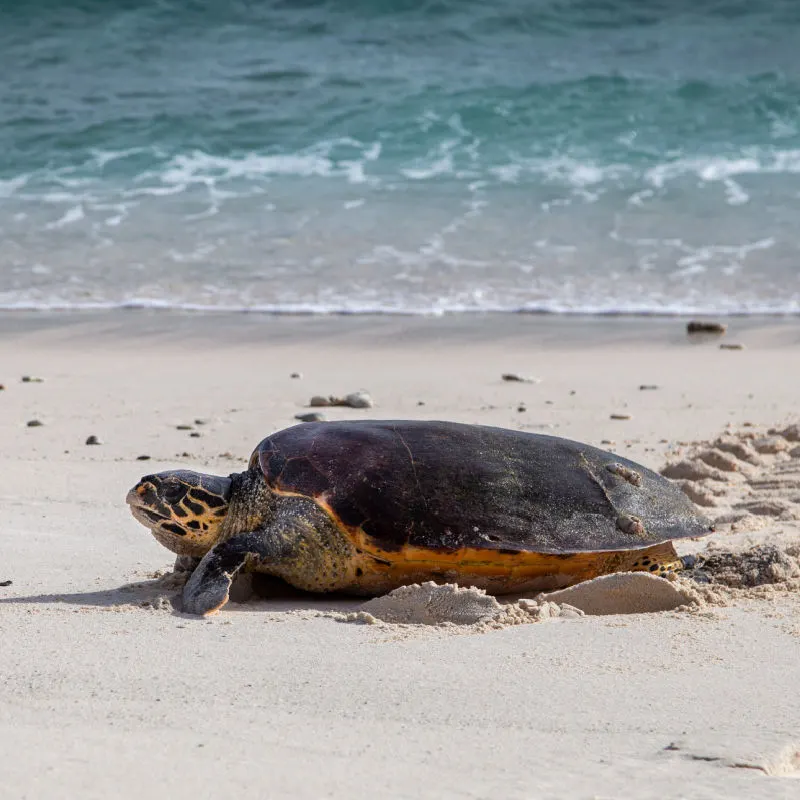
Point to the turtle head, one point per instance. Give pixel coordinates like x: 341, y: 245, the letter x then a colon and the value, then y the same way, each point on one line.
x: 183, y: 509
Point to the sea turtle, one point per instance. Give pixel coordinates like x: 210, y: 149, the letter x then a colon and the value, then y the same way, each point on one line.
x: 367, y: 506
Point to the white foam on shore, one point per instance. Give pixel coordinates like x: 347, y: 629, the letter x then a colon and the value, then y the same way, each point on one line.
x: 349, y: 308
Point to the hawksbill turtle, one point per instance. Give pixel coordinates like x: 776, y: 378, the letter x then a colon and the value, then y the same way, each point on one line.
x: 365, y: 507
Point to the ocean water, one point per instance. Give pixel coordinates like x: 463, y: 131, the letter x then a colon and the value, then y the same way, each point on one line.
x: 363, y: 156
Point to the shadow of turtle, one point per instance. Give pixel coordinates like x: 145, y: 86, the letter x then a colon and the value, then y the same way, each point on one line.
x: 142, y: 594
x: 256, y: 593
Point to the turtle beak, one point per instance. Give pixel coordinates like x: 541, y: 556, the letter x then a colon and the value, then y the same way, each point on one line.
x: 138, y: 496
x: 143, y: 502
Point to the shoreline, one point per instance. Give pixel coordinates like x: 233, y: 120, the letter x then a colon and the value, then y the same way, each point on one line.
x: 552, y: 330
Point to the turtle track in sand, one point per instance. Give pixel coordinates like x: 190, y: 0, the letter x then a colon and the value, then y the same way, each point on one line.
x: 748, y: 483
x: 743, y: 475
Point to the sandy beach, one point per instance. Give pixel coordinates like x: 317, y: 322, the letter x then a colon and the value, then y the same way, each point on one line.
x: 108, y: 691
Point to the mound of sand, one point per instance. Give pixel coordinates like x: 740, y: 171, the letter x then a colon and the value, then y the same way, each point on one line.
x: 761, y: 565
x: 622, y: 593
x: 448, y: 604
x: 432, y: 604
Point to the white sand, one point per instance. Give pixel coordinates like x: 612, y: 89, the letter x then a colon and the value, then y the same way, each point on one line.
x: 109, y: 692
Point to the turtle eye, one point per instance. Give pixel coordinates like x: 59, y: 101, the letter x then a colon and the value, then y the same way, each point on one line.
x: 173, y: 491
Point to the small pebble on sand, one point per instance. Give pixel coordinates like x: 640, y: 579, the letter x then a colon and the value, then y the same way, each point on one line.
x: 143, y: 458
x: 6, y: 583
x: 352, y: 400
x: 310, y: 417
x: 296, y: 375
x: 359, y: 400
x: 195, y: 434
x: 183, y: 427
x: 420, y: 402
x: 93, y: 440
x: 521, y: 408
x: 34, y: 423
x: 512, y: 377
x: 31, y: 379
x: 620, y: 416
x: 648, y: 387
x: 201, y: 422
x: 706, y: 327
x: 731, y: 346
x: 2, y: 387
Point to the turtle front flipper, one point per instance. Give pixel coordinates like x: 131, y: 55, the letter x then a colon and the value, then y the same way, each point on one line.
x: 302, y: 546
x: 208, y: 589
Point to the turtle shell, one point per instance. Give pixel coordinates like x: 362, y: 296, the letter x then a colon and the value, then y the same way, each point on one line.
x: 447, y: 486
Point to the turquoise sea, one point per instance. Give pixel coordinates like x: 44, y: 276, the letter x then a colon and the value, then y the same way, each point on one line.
x: 390, y: 156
